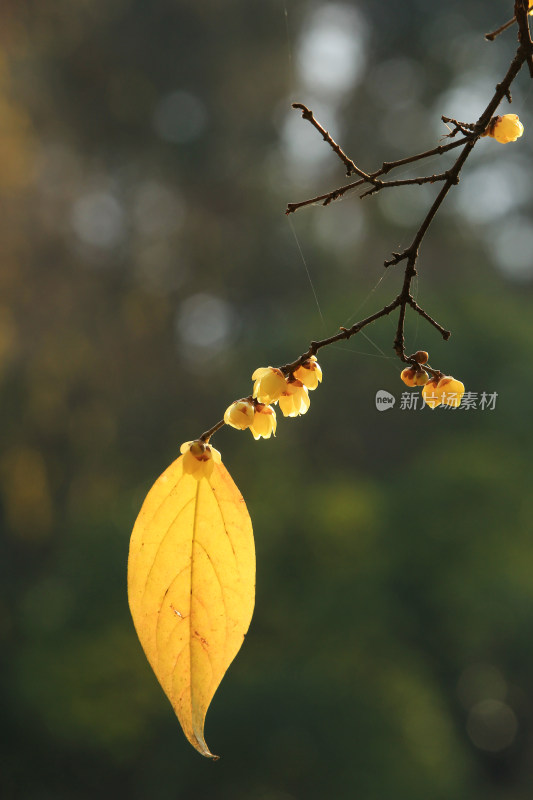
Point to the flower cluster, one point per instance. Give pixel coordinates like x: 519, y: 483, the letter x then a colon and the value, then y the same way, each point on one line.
x: 256, y: 412
x: 438, y: 390
x: 505, y: 129
x: 270, y: 387
x: 246, y: 413
x: 416, y: 376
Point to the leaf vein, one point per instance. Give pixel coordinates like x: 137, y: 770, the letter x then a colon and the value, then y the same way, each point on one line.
x: 160, y: 545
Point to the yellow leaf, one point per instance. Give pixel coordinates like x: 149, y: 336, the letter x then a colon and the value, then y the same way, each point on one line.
x: 191, y: 586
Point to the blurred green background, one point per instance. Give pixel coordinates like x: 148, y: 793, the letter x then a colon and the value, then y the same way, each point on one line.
x: 147, y: 152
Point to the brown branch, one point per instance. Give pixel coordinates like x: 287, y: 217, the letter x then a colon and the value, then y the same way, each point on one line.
x: 405, y: 182
x: 348, y: 163
x: 466, y: 128
x: 411, y: 253
x: 327, y: 198
x: 436, y: 151
x: 314, y: 347
x: 404, y: 299
x: 491, y: 36
x: 414, y: 305
x: 471, y: 131
x: 207, y: 434
x: 521, y: 8
x: 345, y: 333
x: 502, y: 89
x: 385, y: 168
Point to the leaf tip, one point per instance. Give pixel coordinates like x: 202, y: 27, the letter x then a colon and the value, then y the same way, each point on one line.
x: 200, y: 745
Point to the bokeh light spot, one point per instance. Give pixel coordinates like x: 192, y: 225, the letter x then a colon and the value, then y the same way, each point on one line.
x: 98, y: 220
x: 331, y: 55
x: 204, y: 324
x: 180, y: 117
x: 492, y: 725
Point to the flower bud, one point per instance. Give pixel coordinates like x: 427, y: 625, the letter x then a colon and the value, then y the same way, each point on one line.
x: 309, y: 373
x: 505, y: 129
x: 294, y: 400
x: 199, y: 458
x: 269, y: 383
x: 414, y: 376
x: 421, y: 377
x: 421, y: 356
x: 240, y: 414
x: 408, y: 376
x: 264, y: 422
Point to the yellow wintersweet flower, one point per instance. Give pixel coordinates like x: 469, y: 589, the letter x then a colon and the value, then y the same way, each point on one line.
x: 240, y: 414
x: 295, y: 399
x: 269, y: 384
x: 444, y: 391
x: 506, y: 129
x: 199, y: 458
x: 264, y: 423
x: 451, y: 391
x: 309, y: 373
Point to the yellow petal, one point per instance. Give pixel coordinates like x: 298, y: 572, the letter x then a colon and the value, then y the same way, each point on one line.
x: 217, y: 458
x: 304, y: 400
x: 239, y: 414
x: 260, y: 372
x: 264, y: 424
x: 269, y: 385
x: 507, y: 128
x: 198, y: 458
x: 286, y: 404
x: 309, y: 373
x: 206, y: 468
x: 430, y: 393
x: 191, y: 465
x: 452, y: 391
x: 191, y: 585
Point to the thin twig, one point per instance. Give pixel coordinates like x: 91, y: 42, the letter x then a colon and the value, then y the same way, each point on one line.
x: 348, y: 163
x: 435, y: 151
x: 466, y: 128
x: 414, y: 305
x: 385, y: 168
x: 405, y: 182
x: 327, y: 198
x: 207, y: 435
x: 491, y: 36
x: 345, y: 333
